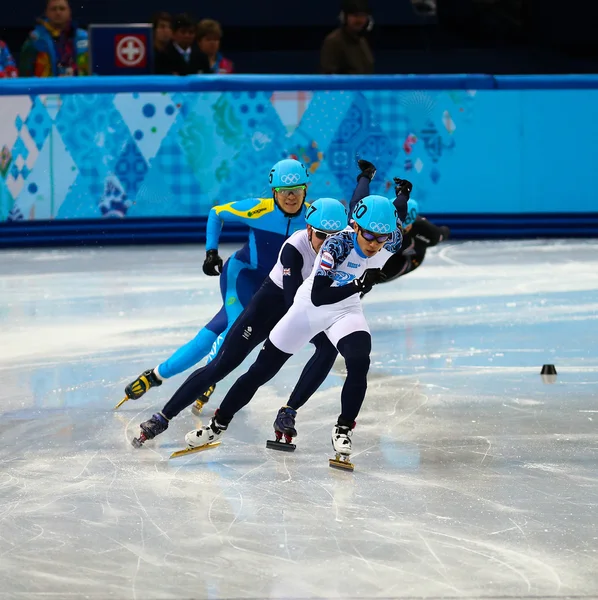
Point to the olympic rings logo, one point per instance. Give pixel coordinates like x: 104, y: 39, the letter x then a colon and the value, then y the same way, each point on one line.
x: 379, y: 227
x: 290, y: 178
x: 329, y: 225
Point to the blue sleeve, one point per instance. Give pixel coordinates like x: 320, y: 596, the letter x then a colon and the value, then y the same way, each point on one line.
x: 243, y: 211
x: 361, y: 191
x: 292, y: 264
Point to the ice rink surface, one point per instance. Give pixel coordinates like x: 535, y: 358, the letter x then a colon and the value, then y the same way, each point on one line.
x: 473, y: 477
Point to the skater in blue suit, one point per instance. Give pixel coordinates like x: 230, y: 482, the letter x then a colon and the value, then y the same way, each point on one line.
x: 271, y: 221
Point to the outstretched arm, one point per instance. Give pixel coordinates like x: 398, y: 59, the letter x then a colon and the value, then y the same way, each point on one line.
x: 243, y: 211
x: 426, y: 233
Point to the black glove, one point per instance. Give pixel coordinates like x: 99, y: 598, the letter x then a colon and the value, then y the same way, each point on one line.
x: 402, y: 186
x: 369, y: 279
x: 367, y: 169
x: 211, y: 262
x: 445, y: 232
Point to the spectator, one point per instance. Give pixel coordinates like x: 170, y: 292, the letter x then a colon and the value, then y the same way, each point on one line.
x: 56, y: 47
x: 209, y: 34
x: 8, y: 68
x: 162, y: 23
x: 345, y: 51
x: 182, y: 55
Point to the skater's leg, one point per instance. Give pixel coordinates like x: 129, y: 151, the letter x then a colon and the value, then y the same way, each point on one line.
x: 250, y: 329
x: 237, y: 298
x: 193, y: 351
x: 269, y: 361
x: 315, y: 371
x: 355, y: 348
x: 292, y: 332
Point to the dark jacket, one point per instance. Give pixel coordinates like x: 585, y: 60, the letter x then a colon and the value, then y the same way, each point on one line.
x: 171, y: 62
x: 346, y: 54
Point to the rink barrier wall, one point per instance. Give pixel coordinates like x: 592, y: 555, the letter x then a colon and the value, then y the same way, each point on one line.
x: 192, y: 230
x: 115, y: 160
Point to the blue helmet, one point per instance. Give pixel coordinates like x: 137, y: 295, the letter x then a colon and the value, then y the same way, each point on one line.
x: 327, y: 214
x: 412, y: 212
x: 376, y: 214
x: 288, y: 173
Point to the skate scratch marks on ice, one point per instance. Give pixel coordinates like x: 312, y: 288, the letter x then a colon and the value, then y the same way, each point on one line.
x: 114, y: 474
x: 334, y: 503
x: 217, y: 532
x: 286, y: 542
x: 162, y: 532
x: 442, y: 255
x: 490, y: 557
x: 504, y: 530
x: 284, y: 462
x: 86, y: 464
x: 403, y: 544
x: 365, y: 560
x: 443, y: 568
x: 487, y: 449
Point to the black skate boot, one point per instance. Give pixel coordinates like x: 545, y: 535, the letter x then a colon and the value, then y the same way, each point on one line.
x: 150, y: 429
x: 202, y: 401
x: 148, y: 379
x: 284, y: 425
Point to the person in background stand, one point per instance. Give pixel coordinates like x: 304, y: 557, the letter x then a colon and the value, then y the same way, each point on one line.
x: 209, y: 34
x: 8, y: 67
x: 182, y: 56
x: 162, y: 23
x: 56, y: 47
x: 346, y: 51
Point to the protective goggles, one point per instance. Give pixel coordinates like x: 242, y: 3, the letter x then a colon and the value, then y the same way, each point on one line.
x: 287, y: 191
x: 322, y: 235
x: 372, y: 237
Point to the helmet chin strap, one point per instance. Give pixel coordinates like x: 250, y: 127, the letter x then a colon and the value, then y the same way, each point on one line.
x: 311, y: 237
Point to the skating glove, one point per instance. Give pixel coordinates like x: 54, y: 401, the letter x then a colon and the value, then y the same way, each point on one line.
x: 402, y: 186
x: 369, y: 279
x: 212, y: 265
x: 445, y: 232
x: 367, y: 169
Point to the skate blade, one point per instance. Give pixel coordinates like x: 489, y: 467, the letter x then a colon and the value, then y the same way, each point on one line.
x: 194, y: 450
x: 339, y: 463
x: 121, y: 402
x: 274, y: 445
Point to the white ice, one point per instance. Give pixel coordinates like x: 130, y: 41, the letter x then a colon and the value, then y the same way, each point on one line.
x: 474, y: 478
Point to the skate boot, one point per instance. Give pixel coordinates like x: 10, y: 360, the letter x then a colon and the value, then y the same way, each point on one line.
x: 284, y: 425
x: 137, y: 388
x: 201, y: 402
x: 341, y: 443
x: 206, y: 436
x: 150, y: 429
x: 148, y: 379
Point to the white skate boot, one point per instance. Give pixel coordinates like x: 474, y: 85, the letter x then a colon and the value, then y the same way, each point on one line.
x: 202, y: 439
x: 341, y: 443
